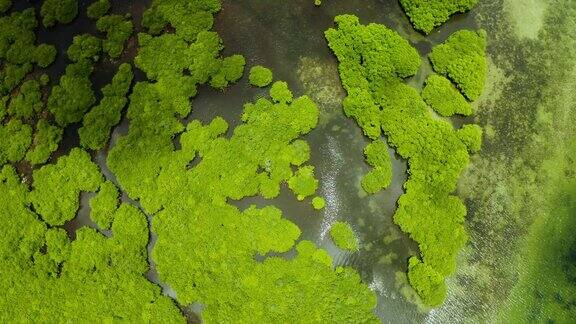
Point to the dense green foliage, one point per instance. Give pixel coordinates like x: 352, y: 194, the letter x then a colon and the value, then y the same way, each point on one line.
x: 427, y: 14
x: 44, y: 55
x: 104, y: 204
x: 5, y: 5
x: 118, y: 29
x: 373, y: 62
x: 47, y: 277
x: 444, y: 98
x: 15, y: 138
x: 58, y: 11
x: 97, y: 123
x: 380, y: 176
x: 260, y: 76
x: 57, y: 186
x: 344, y: 237
x: 17, y: 50
x: 98, y: 9
x: 46, y: 139
x: 206, y: 246
x: 84, y: 46
x: 28, y: 101
x: 462, y: 58
x: 70, y: 99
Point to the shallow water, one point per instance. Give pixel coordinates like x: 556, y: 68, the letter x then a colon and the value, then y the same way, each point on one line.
x: 287, y: 36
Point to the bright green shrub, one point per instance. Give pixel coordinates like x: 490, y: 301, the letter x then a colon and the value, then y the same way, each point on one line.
x: 98, y: 9
x: 103, y: 206
x: 471, y: 136
x: 280, y: 92
x: 462, y: 58
x: 58, y: 11
x: 444, y: 98
x: 57, y: 186
x: 231, y: 70
x: 303, y: 183
x: 344, y: 237
x: 15, y: 138
x: 118, y: 29
x: 428, y: 283
x: 260, y: 76
x: 427, y: 14
x: 73, y: 96
x: 97, y: 123
x: 85, y: 46
x: 46, y: 140
x: 318, y: 203
x: 380, y: 176
x: 28, y: 101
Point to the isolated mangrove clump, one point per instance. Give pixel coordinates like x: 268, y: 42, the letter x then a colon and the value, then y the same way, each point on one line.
x: 98, y: 9
x: 427, y: 14
x: 373, y: 61
x: 260, y: 76
x: 58, y: 11
x: 84, y: 46
x: 344, y: 237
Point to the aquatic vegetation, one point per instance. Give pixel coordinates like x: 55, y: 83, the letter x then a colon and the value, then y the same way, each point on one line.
x: 380, y: 176
x: 46, y: 139
x: 427, y: 14
x: 260, y: 76
x: 344, y: 237
x: 85, y: 46
x: 92, y: 278
x: 73, y: 96
x: 118, y: 29
x: 98, y: 122
x: 15, y: 138
x: 98, y: 9
x: 373, y: 60
x: 58, y: 11
x: 440, y: 94
x: 57, y: 186
x: 462, y: 52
